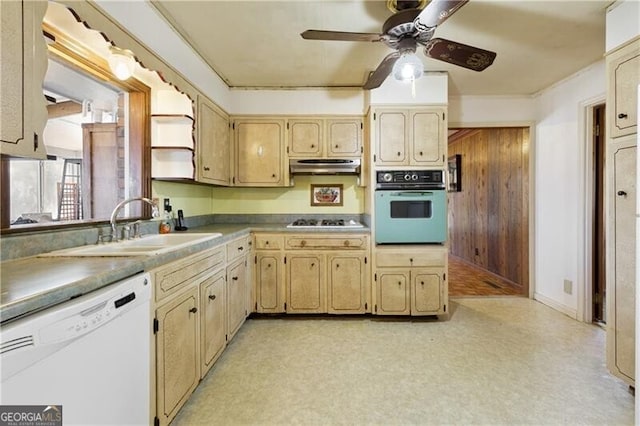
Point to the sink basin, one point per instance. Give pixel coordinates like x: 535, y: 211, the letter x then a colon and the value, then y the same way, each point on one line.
x: 148, y: 245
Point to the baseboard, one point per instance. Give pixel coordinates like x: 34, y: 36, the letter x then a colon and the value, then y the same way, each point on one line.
x: 570, y: 312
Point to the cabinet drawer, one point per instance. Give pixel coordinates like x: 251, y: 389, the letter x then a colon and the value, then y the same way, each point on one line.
x: 359, y: 242
x: 238, y: 248
x: 269, y: 242
x: 172, y: 277
x: 411, y: 258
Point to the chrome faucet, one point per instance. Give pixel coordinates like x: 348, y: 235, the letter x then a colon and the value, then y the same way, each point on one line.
x: 116, y: 210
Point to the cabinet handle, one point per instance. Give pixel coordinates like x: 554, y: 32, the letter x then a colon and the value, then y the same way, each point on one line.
x: 212, y: 297
x: 206, y: 169
x: 400, y: 283
x: 420, y: 153
x: 240, y: 248
x: 313, y: 146
x: 193, y: 310
x: 303, y: 243
x: 313, y: 264
x: 266, y: 243
x: 235, y: 278
x: 273, y: 175
x: 268, y: 265
x: 622, y: 193
x: 622, y: 115
x: 398, y: 154
x: 337, y: 146
x: 422, y: 282
x: 337, y: 265
x: 411, y: 260
x: 346, y: 243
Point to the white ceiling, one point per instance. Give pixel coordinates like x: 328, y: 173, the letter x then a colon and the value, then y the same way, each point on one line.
x: 257, y: 44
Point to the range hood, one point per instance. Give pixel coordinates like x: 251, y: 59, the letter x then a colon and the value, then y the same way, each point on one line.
x: 325, y: 166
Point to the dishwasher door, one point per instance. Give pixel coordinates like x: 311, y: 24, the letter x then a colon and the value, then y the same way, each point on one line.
x: 91, y: 355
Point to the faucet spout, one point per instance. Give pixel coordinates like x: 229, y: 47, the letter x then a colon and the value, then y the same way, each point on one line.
x: 116, y: 210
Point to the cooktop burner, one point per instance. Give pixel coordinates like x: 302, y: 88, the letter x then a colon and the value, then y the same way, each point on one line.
x: 324, y: 223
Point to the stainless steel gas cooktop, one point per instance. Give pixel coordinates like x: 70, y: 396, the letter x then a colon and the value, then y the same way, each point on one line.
x: 324, y: 223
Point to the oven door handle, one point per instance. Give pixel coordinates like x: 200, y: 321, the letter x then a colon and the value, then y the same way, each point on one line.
x: 412, y: 194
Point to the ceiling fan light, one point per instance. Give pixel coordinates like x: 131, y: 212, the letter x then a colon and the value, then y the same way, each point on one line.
x: 121, y: 62
x: 408, y: 67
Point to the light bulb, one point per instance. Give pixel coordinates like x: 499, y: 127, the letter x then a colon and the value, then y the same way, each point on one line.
x: 121, y: 62
x: 408, y: 67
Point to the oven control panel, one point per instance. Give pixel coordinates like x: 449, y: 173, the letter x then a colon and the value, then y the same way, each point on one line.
x: 395, y: 179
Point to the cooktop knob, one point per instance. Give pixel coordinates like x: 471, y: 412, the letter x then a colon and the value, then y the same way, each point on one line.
x: 407, y: 177
x: 387, y: 177
x: 414, y: 176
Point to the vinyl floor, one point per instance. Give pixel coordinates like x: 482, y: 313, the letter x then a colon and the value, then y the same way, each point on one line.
x: 496, y: 361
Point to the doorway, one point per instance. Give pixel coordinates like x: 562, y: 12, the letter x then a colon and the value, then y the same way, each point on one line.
x: 489, y: 212
x: 598, y: 275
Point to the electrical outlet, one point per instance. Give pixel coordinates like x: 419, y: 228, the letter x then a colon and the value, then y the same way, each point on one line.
x: 568, y: 286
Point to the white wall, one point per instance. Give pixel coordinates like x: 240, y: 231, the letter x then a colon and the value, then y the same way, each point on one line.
x: 559, y: 150
x: 470, y: 111
x: 623, y: 23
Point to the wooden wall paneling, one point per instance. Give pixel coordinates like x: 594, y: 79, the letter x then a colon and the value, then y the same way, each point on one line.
x: 489, y: 218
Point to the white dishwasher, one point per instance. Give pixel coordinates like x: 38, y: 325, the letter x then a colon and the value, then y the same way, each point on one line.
x: 92, y: 355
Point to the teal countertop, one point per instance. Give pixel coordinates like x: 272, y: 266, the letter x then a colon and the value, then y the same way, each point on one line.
x: 33, y: 283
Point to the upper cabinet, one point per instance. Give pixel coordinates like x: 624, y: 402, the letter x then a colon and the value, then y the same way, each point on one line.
x: 172, y: 141
x: 23, y: 65
x: 259, y: 152
x: 409, y: 136
x: 325, y: 137
x: 213, y: 150
x: 623, y: 75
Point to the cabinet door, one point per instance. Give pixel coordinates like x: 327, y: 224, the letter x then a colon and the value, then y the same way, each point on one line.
x: 391, y: 137
x: 393, y: 292
x: 427, y: 291
x: 344, y: 138
x: 427, y: 143
x: 23, y: 64
x: 212, y: 145
x: 305, y: 283
x: 346, y: 284
x: 269, y: 282
x: 259, y: 152
x: 177, y: 356
x: 624, y: 77
x: 305, y: 138
x: 621, y: 315
x: 236, y: 298
x: 212, y: 320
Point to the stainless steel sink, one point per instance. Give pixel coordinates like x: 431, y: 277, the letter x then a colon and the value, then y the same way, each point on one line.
x: 148, y: 245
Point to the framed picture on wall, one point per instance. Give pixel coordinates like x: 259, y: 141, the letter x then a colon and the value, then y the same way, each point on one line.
x: 455, y: 173
x: 326, y: 195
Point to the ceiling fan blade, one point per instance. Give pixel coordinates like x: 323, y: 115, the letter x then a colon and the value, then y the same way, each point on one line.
x: 339, y: 36
x: 380, y: 74
x: 436, y: 12
x: 455, y: 53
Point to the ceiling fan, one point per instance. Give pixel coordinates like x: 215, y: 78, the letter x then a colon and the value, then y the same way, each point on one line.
x: 409, y: 27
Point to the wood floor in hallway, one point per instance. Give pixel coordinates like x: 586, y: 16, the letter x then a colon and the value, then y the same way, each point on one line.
x: 466, y: 279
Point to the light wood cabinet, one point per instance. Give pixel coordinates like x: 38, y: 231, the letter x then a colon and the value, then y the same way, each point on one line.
x: 213, y: 147
x: 269, y: 274
x: 212, y: 320
x: 623, y: 75
x: 411, y: 280
x: 621, y: 262
x: 236, y: 296
x: 177, y: 353
x: 306, y: 283
x: 259, y: 152
x: 325, y: 137
x: 347, y: 282
x: 23, y: 65
x: 312, y: 273
x: 410, y: 136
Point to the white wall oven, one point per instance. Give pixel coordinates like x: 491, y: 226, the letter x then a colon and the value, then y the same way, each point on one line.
x: 410, y: 207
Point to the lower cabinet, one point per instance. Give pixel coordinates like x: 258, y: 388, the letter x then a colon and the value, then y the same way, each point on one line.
x: 312, y: 273
x: 411, y: 280
x: 213, y: 317
x: 177, y: 356
x: 236, y: 296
